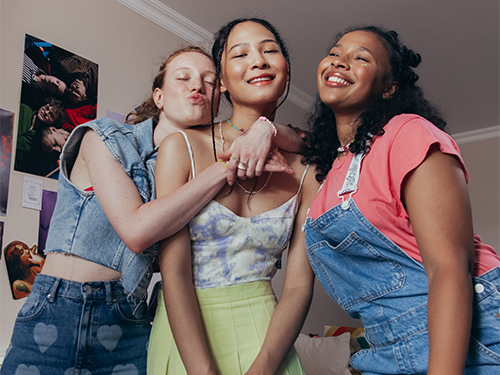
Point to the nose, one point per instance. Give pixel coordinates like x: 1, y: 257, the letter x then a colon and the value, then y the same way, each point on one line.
x: 338, y: 62
x: 259, y: 61
x: 197, y: 85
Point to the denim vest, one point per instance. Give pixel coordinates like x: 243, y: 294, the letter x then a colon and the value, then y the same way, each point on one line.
x: 374, y: 280
x: 80, y: 227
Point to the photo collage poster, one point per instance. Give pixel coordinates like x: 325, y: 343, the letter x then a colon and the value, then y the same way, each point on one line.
x: 58, y: 93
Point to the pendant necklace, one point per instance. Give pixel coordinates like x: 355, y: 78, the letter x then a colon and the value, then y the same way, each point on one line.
x: 237, y: 183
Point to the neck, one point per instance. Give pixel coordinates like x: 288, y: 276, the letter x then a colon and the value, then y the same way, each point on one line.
x: 163, y: 129
x: 244, y: 117
x: 346, y: 127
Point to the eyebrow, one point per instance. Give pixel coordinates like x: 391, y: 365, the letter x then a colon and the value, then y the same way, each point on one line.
x: 187, y: 68
x: 246, y: 44
x: 361, y: 48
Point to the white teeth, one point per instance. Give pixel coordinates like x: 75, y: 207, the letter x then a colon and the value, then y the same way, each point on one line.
x: 338, y: 80
x: 261, y: 79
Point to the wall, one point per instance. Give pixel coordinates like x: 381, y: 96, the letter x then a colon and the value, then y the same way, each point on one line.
x: 482, y: 159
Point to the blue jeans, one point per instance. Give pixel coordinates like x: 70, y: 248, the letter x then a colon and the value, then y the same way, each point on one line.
x: 70, y: 328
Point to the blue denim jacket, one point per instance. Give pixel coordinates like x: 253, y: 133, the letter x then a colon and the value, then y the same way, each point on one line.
x: 80, y: 227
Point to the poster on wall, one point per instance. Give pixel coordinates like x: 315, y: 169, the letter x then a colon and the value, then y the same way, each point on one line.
x: 23, y: 264
x: 1, y: 237
x: 48, y: 204
x: 6, y: 127
x: 58, y: 93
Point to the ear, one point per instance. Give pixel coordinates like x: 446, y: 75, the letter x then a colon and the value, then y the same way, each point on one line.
x: 222, y: 86
x: 158, y: 98
x: 390, y: 90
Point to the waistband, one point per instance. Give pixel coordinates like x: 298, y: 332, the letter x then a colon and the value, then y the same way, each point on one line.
x: 234, y: 292
x: 110, y: 291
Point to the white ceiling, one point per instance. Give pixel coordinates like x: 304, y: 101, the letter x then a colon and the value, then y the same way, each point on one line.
x: 458, y: 40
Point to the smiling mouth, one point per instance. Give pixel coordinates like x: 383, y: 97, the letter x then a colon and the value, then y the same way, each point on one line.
x: 338, y: 80
x: 260, y: 79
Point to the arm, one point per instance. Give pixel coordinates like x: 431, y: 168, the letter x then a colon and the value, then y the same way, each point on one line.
x: 253, y: 148
x: 293, y: 306
x: 139, y: 224
x: 176, y: 271
x: 438, y: 206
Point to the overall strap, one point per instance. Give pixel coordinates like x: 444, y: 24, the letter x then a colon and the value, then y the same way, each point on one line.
x: 190, y: 152
x: 351, y: 179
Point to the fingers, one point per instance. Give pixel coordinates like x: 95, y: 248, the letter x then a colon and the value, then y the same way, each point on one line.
x: 274, y: 166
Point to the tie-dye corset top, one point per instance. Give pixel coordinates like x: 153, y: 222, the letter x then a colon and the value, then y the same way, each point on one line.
x: 229, y: 249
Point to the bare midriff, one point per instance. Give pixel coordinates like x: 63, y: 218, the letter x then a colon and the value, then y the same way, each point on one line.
x: 72, y: 267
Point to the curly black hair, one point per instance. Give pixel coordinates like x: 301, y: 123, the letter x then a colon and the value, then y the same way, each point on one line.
x: 220, y: 39
x: 408, y: 98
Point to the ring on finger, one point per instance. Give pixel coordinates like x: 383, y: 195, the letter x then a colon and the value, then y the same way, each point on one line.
x: 235, y: 158
x: 243, y: 166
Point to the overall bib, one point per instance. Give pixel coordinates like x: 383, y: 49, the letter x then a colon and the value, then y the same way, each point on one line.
x: 374, y: 280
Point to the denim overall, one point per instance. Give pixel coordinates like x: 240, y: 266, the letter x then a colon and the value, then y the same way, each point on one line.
x: 67, y: 327
x: 374, y: 280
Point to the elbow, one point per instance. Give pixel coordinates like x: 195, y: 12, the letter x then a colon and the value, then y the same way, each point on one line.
x: 135, y: 243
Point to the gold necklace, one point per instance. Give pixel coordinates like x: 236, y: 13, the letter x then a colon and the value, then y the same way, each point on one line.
x: 237, y: 183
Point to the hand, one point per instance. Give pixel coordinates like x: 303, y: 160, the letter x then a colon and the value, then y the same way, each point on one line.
x: 275, y: 162
x: 52, y: 84
x: 250, y: 152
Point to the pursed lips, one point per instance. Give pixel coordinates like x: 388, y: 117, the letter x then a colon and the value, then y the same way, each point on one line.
x: 196, y: 98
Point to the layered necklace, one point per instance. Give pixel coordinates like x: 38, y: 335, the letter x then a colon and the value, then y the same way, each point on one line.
x: 222, y: 149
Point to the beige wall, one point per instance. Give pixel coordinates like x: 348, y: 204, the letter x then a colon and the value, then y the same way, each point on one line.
x: 483, y: 164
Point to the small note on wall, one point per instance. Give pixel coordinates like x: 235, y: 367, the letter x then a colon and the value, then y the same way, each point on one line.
x: 32, y: 193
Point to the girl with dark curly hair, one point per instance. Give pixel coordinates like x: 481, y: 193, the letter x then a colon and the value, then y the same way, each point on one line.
x: 389, y: 235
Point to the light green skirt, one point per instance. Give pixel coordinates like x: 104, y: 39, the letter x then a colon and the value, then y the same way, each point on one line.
x: 235, y: 320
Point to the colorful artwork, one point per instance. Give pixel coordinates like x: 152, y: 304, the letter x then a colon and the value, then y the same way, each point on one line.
x: 6, y: 127
x: 58, y: 93
x: 23, y: 264
x: 1, y: 237
x: 48, y: 204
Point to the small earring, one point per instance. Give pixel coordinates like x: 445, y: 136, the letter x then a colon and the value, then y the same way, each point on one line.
x: 364, y: 65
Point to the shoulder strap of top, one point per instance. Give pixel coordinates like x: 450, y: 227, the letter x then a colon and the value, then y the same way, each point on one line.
x: 190, y: 152
x: 303, y: 177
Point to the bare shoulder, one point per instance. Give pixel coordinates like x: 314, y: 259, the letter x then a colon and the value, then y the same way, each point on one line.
x: 309, y: 185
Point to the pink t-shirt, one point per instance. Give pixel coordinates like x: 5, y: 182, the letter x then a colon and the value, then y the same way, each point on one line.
x: 401, y: 149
